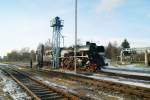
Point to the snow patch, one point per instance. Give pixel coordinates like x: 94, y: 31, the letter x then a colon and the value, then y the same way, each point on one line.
x: 11, y: 88
x: 126, y: 72
x: 61, y: 87
x: 140, y: 83
x: 132, y: 67
x: 125, y: 81
x: 129, y: 69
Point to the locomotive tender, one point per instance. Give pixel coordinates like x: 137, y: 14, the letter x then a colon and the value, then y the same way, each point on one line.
x: 89, y: 57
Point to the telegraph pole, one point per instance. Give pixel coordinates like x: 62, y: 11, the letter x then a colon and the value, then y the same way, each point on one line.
x: 75, y: 48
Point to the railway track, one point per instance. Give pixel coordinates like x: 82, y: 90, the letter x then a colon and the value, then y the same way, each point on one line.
x: 131, y: 90
x: 147, y: 78
x: 38, y: 90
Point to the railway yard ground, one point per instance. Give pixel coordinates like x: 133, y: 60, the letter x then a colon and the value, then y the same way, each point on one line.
x: 87, y: 86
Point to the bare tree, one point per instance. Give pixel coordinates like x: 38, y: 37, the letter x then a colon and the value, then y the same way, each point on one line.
x: 22, y: 55
x: 112, y: 51
x: 79, y: 42
x: 48, y: 45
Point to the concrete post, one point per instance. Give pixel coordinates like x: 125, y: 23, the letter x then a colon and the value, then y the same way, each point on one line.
x: 146, y: 58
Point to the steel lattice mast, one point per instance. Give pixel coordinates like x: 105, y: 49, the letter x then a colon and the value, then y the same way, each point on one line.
x: 57, y: 25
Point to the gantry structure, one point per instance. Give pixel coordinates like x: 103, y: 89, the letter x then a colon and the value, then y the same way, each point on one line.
x: 133, y: 51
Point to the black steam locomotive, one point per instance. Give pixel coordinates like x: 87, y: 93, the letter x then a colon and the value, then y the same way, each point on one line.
x: 89, y: 57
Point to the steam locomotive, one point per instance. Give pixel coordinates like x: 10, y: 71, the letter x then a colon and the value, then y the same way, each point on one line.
x: 88, y: 57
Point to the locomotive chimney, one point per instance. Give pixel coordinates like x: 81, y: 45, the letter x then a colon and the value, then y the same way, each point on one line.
x: 87, y: 43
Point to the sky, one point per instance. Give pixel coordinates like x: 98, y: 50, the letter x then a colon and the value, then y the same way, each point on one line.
x: 26, y: 23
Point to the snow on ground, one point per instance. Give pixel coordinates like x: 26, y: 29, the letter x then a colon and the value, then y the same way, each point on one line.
x: 126, y: 72
x: 8, y: 65
x: 132, y: 67
x: 11, y: 88
x: 4, y: 65
x: 124, y: 81
x: 55, y: 85
x: 128, y: 69
x: 66, y: 88
x: 141, y: 83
